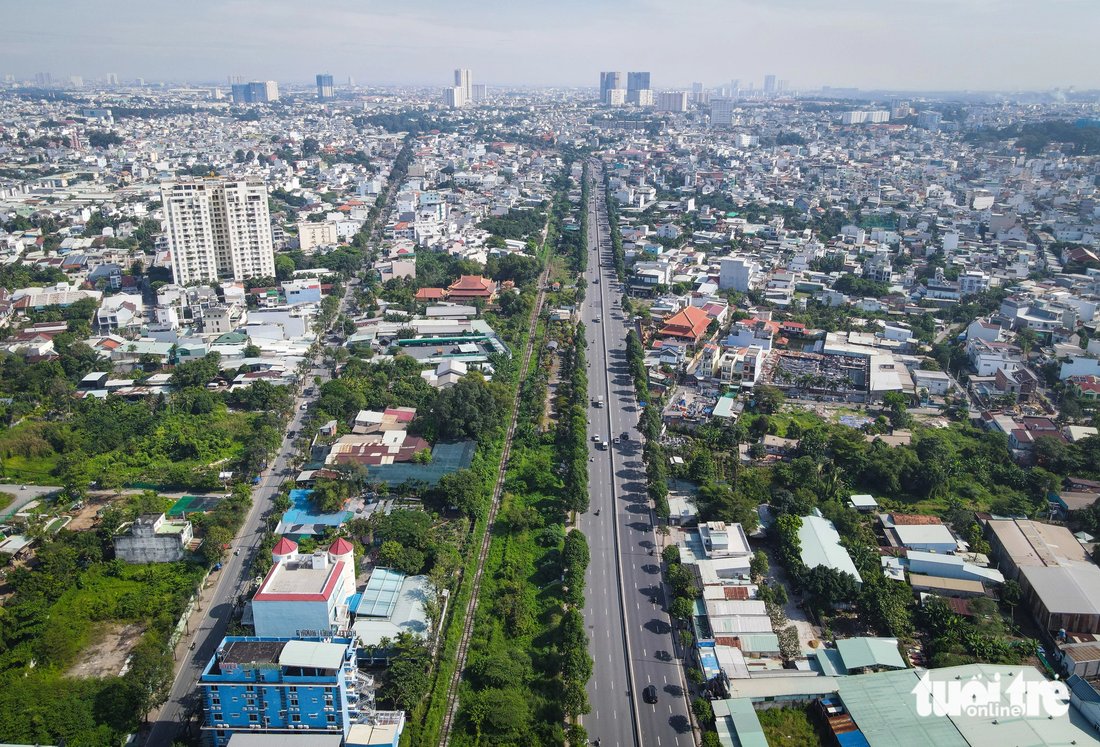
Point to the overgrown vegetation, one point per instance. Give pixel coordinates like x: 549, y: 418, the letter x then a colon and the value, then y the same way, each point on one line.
x: 72, y: 594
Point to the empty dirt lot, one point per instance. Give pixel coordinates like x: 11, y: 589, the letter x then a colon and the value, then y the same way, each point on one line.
x: 105, y: 656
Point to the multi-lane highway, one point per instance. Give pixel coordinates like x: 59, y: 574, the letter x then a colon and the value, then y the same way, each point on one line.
x: 630, y: 633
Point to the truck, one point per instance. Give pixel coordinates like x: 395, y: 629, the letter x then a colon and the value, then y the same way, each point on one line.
x: 598, y: 402
x: 602, y: 445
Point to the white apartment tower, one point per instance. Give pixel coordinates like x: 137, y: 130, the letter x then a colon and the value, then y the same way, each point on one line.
x: 454, y: 97
x: 218, y: 229
x: 721, y: 112
x: 463, y: 81
x: 672, y: 101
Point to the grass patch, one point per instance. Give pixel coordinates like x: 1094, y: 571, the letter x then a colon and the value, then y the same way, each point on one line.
x: 790, y: 727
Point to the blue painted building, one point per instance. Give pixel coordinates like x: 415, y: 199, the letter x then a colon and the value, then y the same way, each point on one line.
x: 281, y: 686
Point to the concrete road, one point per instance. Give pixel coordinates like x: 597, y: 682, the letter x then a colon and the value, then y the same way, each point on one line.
x: 630, y: 632
x: 209, y: 623
x: 22, y: 495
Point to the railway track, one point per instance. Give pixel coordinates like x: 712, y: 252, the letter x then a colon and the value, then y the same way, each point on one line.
x: 494, y: 507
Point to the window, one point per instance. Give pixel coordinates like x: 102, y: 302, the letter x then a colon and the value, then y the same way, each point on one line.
x: 253, y: 718
x: 295, y: 718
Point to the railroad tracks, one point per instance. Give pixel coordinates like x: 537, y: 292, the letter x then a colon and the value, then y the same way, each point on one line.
x: 494, y: 507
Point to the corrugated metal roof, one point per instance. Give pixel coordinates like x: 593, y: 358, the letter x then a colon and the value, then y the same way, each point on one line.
x: 738, y: 724
x: 312, y: 654
x: 858, y: 653
x: 821, y: 546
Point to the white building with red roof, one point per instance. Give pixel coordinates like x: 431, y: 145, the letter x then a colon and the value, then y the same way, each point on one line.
x: 305, y: 592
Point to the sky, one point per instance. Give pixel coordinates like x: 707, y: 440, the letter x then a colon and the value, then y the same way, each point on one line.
x: 869, y: 44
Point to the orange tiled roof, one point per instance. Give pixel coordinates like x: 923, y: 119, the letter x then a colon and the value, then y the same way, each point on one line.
x: 690, y: 322
x: 430, y: 294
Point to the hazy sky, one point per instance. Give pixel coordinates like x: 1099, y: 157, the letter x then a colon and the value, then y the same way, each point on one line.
x: 914, y: 44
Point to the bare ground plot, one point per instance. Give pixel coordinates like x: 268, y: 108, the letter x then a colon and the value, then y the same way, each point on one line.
x: 106, y: 654
x: 86, y: 517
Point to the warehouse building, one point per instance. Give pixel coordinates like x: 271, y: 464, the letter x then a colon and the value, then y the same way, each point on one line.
x: 1060, y: 582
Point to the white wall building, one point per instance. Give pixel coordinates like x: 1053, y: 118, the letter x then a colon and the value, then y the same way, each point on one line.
x: 672, y: 101
x: 313, y: 235
x: 218, y: 229
x: 305, y: 592
x: 721, y: 112
x: 738, y: 273
x: 154, y: 539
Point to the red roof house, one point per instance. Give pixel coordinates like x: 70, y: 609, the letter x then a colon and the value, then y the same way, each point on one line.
x: 471, y: 287
x: 430, y: 294
x: 688, y: 325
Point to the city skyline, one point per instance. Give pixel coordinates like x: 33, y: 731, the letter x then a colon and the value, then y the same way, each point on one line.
x: 928, y: 45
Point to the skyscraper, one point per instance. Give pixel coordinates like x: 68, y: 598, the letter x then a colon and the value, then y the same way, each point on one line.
x: 929, y: 120
x: 609, y: 82
x: 256, y: 92
x: 721, y: 112
x: 463, y: 81
x: 454, y: 97
x: 769, y: 85
x: 672, y: 101
x: 218, y: 229
x: 325, y: 90
x: 635, y: 83
x: 479, y: 92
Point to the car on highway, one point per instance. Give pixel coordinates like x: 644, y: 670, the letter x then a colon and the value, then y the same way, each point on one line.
x: 615, y: 440
x: 596, y: 438
x: 649, y: 695
x: 596, y: 320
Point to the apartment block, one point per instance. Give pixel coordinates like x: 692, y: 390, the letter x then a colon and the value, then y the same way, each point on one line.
x: 218, y: 229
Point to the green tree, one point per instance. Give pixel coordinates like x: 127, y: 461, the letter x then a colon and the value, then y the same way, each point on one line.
x: 682, y: 608
x: 758, y: 566
x: 767, y: 399
x: 407, y: 680
x: 1011, y: 593
x: 703, y: 711
x: 150, y: 674
x: 471, y: 409
x: 462, y: 489
x: 215, y: 542
x: 408, y: 560
x: 284, y: 267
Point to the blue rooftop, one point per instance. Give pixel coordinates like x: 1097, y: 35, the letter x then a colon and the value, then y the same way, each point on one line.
x: 302, y: 518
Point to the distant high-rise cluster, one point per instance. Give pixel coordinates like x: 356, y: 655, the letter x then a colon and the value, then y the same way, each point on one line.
x: 636, y: 91
x: 218, y: 229
x: 325, y: 90
x: 255, y: 92
x: 464, y: 91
